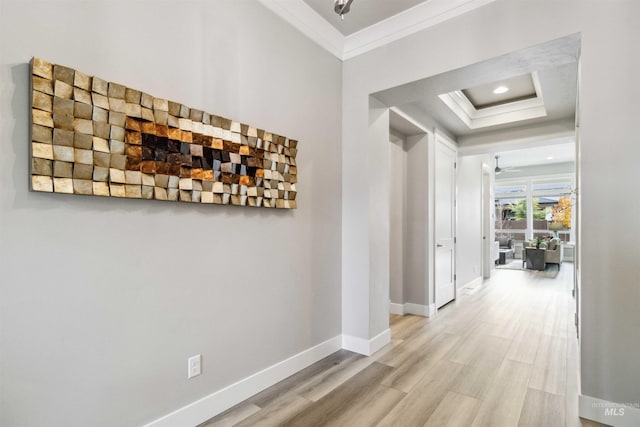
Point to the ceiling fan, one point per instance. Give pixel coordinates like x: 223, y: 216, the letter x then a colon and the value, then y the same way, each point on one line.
x: 498, y: 170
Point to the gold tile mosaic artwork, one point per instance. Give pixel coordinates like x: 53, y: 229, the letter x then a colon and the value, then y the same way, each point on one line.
x: 94, y: 137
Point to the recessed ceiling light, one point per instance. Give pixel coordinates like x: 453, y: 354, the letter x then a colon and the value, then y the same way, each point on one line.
x: 500, y: 89
x: 550, y: 158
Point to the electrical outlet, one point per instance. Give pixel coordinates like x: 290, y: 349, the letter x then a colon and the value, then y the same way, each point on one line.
x: 194, y: 366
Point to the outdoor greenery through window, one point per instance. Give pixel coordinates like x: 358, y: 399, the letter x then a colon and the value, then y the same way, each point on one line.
x: 511, y: 218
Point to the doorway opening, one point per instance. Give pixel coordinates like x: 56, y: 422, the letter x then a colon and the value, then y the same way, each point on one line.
x: 463, y: 107
x: 409, y: 233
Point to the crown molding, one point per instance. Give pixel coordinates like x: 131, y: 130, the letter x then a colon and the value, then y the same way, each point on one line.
x: 410, y: 21
x: 424, y: 15
x: 509, y: 112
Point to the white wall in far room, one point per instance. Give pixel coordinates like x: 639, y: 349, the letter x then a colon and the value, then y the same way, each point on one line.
x: 469, y: 223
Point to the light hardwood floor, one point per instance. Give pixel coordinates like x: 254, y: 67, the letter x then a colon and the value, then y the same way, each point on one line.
x: 503, y: 354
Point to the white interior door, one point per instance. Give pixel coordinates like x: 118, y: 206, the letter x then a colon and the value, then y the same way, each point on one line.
x: 487, y: 241
x: 445, y: 191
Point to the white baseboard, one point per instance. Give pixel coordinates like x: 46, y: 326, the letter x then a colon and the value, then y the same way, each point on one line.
x: 610, y: 413
x: 420, y: 309
x: 410, y: 308
x: 364, y: 346
x: 473, y: 283
x: 395, y: 308
x: 431, y: 310
x: 201, y: 410
x: 379, y: 341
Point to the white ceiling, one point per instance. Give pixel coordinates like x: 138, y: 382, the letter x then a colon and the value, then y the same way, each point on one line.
x: 559, y: 153
x: 363, y: 14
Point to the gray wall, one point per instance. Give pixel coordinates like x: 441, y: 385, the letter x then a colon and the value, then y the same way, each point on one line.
x: 609, y: 155
x: 409, y: 271
x: 398, y: 160
x: 378, y: 217
x: 417, y: 230
x: 103, y: 300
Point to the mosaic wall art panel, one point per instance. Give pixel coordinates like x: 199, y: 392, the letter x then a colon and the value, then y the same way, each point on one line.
x: 94, y: 137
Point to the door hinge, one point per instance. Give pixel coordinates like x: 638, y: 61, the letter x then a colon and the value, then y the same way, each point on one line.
x: 455, y: 165
x: 455, y: 240
x: 455, y: 276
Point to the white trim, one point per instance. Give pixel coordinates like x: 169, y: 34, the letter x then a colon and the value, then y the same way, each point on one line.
x: 420, y: 309
x: 355, y: 344
x: 473, y: 282
x: 510, y: 112
x: 410, y: 21
x: 365, y: 346
x: 621, y: 415
x: 395, y: 308
x: 410, y: 308
x: 445, y: 140
x: 379, y: 341
x: 431, y: 310
x: 218, y: 402
x: 306, y: 20
x: 422, y: 16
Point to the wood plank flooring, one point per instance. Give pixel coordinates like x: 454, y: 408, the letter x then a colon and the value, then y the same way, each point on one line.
x: 503, y: 354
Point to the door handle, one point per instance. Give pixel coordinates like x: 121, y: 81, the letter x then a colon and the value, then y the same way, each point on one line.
x: 438, y: 245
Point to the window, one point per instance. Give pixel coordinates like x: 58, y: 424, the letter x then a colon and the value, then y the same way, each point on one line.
x: 510, y: 190
x: 551, y: 187
x: 537, y: 208
x: 511, y: 218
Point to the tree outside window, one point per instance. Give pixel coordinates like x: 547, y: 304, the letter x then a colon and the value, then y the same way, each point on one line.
x: 561, y: 213
x: 519, y: 210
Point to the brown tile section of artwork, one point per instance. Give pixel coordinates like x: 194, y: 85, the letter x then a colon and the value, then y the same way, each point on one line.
x: 90, y: 136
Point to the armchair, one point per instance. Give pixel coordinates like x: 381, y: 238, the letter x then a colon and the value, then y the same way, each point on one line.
x: 504, y: 242
x: 553, y: 254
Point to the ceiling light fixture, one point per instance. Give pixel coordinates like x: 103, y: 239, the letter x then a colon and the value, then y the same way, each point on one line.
x: 550, y: 158
x: 342, y: 6
x: 500, y: 90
